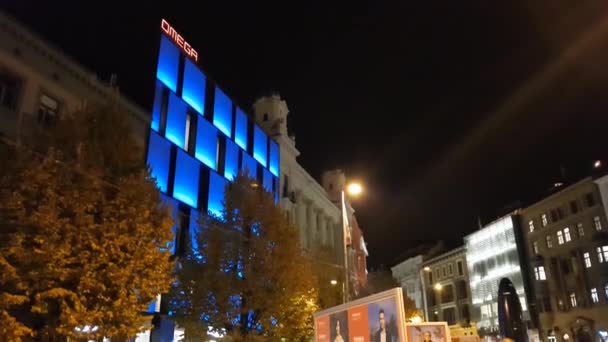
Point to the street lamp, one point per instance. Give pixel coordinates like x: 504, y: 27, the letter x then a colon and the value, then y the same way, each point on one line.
x: 438, y: 287
x: 333, y: 282
x: 353, y: 189
x: 424, y: 299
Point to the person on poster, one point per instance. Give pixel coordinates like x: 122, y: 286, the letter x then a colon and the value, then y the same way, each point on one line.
x: 427, y: 337
x: 383, y: 334
x: 338, y: 335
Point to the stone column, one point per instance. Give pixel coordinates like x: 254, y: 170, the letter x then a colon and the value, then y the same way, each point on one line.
x: 323, y: 229
x: 312, y: 225
x: 301, y: 211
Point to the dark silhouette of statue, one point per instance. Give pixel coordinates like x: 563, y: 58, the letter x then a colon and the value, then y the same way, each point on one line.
x: 510, y: 317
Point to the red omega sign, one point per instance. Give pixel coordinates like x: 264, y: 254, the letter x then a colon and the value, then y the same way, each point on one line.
x: 178, y: 39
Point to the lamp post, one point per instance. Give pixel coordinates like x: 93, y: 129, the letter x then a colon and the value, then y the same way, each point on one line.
x: 353, y: 189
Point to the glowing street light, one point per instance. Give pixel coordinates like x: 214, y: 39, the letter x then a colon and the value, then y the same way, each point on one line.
x: 333, y: 282
x: 438, y: 287
x: 354, y: 189
x: 427, y: 269
x: 597, y: 164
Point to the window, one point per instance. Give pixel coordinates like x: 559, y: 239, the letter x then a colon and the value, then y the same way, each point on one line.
x: 443, y: 273
x: 222, y: 112
x: 193, y: 90
x: 589, y: 199
x: 460, y: 269
x: 554, y: 215
x: 580, y: 229
x: 461, y: 289
x: 560, y: 213
x: 267, y: 182
x: 549, y: 242
x: 567, y: 234
x: 249, y: 165
x: 544, y: 304
x: 573, y: 207
x: 606, y: 291
x: 449, y: 315
x: 602, y: 254
x: 217, y: 185
x: 543, y: 219
x: 48, y: 110
x: 240, y: 129
x: 573, y: 300
x: 168, y: 62
x: 265, y: 117
x: 159, y: 152
x: 535, y: 247
x: 158, y: 106
x: 430, y: 277
x: 231, y: 165
x: 206, y: 143
x: 273, y: 158
x: 176, y: 121
x: 465, y: 313
x: 450, y: 269
x: 597, y: 223
x: 531, y: 226
x: 560, y: 237
x: 447, y: 294
x: 539, y: 273
x: 260, y: 142
x: 185, y: 185
x: 594, y: 297
x: 587, y: 258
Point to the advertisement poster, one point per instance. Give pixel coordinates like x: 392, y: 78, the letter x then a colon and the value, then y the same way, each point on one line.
x: 427, y: 332
x: 375, y: 318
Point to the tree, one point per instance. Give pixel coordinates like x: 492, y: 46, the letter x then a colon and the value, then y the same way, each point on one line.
x: 330, y: 276
x: 245, y: 273
x: 83, y: 233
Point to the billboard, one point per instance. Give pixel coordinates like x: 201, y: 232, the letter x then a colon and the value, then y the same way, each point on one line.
x: 377, y: 318
x: 426, y: 332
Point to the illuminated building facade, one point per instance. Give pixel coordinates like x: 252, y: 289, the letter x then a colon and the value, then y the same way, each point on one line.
x: 199, y: 139
x: 493, y: 253
x: 566, y: 237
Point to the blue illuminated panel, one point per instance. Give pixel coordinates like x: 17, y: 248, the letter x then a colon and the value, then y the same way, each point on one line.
x: 231, y: 166
x: 259, y: 145
x: 249, y: 166
x: 206, y: 143
x: 193, y: 91
x: 217, y: 184
x: 168, y: 62
x: 193, y: 230
x: 267, y: 180
x: 159, y: 152
x: 158, y: 100
x: 273, y: 160
x: 222, y: 112
x: 174, y: 215
x: 185, y: 186
x: 176, y: 121
x: 240, y: 129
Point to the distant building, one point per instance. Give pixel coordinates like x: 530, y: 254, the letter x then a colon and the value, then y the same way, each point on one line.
x: 566, y: 237
x: 445, y: 280
x: 493, y: 253
x: 407, y: 272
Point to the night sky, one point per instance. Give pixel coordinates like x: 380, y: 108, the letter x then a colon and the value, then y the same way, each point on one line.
x: 446, y: 110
